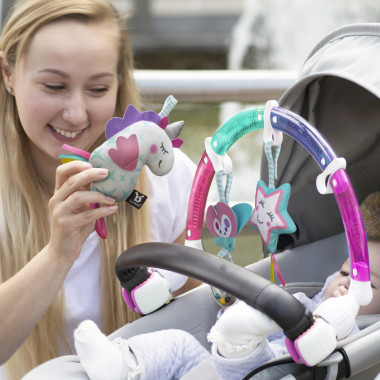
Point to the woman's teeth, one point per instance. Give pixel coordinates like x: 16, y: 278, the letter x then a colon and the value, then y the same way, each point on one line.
x: 66, y: 133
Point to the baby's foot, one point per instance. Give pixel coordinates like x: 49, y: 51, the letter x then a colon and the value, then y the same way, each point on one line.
x: 101, y: 358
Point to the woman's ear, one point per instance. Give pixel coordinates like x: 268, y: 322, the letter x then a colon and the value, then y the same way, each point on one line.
x: 6, y: 70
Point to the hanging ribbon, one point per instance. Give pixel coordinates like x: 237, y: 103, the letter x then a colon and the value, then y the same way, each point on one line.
x: 272, y: 161
x: 223, y: 190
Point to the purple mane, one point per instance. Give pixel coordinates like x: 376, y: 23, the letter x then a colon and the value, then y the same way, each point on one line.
x: 131, y: 116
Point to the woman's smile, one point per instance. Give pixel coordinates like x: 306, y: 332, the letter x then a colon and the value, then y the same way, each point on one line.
x: 65, y: 135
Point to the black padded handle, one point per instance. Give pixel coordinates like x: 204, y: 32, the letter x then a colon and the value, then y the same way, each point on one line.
x: 250, y: 287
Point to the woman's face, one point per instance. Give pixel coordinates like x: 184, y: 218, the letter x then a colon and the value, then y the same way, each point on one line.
x: 66, y: 85
x: 340, y: 284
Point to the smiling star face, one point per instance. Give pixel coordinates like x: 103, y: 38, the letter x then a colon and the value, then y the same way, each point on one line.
x: 270, y: 216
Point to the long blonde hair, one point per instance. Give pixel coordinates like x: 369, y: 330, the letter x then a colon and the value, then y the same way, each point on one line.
x: 24, y: 224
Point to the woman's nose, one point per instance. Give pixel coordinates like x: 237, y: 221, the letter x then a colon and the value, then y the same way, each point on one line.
x: 75, y: 110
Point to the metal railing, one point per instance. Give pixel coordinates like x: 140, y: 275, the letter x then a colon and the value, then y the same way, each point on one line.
x: 251, y: 86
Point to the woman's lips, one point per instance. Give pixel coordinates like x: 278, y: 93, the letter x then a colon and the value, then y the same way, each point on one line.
x: 66, y: 136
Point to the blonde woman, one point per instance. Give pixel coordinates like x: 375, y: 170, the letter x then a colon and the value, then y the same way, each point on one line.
x: 66, y: 70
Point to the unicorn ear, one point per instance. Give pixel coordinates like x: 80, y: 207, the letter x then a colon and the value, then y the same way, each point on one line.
x: 174, y: 129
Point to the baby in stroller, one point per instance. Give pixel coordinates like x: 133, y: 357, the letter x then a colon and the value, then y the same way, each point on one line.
x: 242, y: 338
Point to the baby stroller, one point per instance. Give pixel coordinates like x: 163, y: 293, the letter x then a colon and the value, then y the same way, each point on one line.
x: 338, y: 93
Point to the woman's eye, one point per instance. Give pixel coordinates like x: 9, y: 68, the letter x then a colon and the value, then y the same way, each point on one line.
x: 99, y: 90
x: 54, y: 87
x: 344, y: 273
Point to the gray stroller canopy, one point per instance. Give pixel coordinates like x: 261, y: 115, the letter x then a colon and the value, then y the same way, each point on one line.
x: 338, y: 92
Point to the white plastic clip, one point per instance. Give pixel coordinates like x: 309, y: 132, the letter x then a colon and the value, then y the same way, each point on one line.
x: 220, y: 163
x: 324, y: 177
x: 362, y: 291
x: 271, y: 134
x: 317, y: 343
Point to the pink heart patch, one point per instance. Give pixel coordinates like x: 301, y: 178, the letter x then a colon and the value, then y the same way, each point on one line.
x: 126, y: 154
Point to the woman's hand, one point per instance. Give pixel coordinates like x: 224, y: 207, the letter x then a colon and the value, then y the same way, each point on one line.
x: 71, y: 217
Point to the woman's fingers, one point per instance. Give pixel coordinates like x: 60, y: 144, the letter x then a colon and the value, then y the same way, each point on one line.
x: 73, y: 205
x: 80, y: 200
x: 65, y: 221
x: 72, y: 218
x: 70, y: 205
x: 65, y: 171
x: 73, y: 177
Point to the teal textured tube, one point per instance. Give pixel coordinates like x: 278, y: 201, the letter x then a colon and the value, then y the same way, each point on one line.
x: 236, y: 127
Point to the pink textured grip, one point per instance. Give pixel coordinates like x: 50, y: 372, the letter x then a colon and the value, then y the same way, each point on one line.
x: 198, y: 197
x: 128, y: 299
x: 353, y: 224
x: 297, y: 354
x: 292, y: 350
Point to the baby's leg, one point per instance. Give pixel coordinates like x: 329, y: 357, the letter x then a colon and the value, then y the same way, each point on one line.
x: 167, y: 354
x: 162, y: 354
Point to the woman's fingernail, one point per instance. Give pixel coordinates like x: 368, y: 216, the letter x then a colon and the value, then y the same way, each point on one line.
x: 110, y: 199
x: 101, y: 172
x: 112, y: 208
x: 86, y: 165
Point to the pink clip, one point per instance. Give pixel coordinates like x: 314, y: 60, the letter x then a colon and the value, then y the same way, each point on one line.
x: 100, y: 225
x: 292, y: 350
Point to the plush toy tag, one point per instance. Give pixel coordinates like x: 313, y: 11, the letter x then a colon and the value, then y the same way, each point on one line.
x: 136, y: 199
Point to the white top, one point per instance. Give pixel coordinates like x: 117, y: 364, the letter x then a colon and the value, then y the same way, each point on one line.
x: 168, y: 201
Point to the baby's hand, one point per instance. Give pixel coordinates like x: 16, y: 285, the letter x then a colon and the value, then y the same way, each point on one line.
x: 240, y: 329
x: 340, y: 312
x: 341, y: 291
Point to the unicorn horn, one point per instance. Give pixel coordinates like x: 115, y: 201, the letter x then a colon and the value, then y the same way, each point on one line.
x: 174, y: 129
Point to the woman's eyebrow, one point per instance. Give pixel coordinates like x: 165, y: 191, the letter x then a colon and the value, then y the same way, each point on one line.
x: 54, y: 71
x: 64, y: 75
x: 102, y: 75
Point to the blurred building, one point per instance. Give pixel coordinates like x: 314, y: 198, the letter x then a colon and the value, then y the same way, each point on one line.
x: 181, y: 34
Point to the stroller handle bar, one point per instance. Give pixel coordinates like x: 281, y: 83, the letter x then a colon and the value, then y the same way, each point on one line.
x: 248, y: 286
x: 317, y: 146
